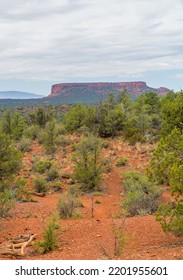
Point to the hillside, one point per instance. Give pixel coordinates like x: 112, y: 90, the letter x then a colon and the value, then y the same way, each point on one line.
x: 18, y: 95
x: 94, y: 92
x: 86, y: 237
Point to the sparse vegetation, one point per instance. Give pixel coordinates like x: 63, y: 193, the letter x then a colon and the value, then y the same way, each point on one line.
x: 122, y: 161
x: 66, y: 206
x: 85, y: 146
x: 142, y: 195
x: 88, y: 163
x: 49, y: 242
x: 40, y: 185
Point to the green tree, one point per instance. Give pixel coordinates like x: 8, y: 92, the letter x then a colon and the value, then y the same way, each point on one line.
x: 10, y: 159
x: 10, y: 164
x: 167, y: 167
x: 109, y: 117
x: 18, y: 125
x: 13, y: 124
x: 169, y: 151
x: 7, y: 123
x: 75, y: 118
x: 88, y: 164
x: 50, y: 137
x: 172, y: 112
x: 41, y: 116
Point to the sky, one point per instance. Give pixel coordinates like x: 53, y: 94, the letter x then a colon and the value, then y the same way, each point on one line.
x: 44, y: 42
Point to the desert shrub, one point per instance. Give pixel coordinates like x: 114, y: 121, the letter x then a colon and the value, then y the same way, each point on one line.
x: 122, y: 161
x: 133, y: 135
x: 40, y: 185
x: 6, y: 202
x: 74, y: 191
x: 66, y: 175
x: 97, y: 201
x: 24, y: 145
x: 74, y: 147
x: 41, y: 165
x: 141, y: 203
x: 171, y: 217
x: 31, y: 132
x: 55, y: 186
x: 52, y: 174
x: 41, y: 116
x: 142, y: 196
x: 60, y: 129
x: 21, y: 191
x: 105, y: 144
x: 107, y: 164
x: 133, y: 180
x: 66, y: 206
x: 41, y: 136
x: 119, y: 237
x: 63, y: 141
x: 49, y: 242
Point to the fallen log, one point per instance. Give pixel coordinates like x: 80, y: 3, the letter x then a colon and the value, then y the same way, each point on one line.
x: 17, y: 249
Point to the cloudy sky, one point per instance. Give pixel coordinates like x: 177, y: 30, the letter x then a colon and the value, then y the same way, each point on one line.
x: 43, y: 42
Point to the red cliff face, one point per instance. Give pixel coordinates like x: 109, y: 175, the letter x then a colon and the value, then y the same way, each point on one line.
x: 98, y: 91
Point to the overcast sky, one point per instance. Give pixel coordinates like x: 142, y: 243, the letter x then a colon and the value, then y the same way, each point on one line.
x: 43, y: 42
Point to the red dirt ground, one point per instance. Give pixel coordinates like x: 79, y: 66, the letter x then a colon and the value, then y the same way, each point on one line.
x: 88, y: 238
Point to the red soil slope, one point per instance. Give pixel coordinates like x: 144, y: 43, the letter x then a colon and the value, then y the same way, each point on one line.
x: 87, y: 237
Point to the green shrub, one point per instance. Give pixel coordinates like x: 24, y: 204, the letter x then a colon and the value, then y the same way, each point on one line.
x: 171, y: 217
x: 142, y: 195
x: 66, y: 206
x: 66, y: 175
x: 31, y: 132
x: 141, y: 203
x: 41, y: 136
x: 6, y: 202
x: 133, y: 180
x: 122, y: 161
x: 21, y: 190
x: 52, y: 174
x: 74, y: 191
x: 49, y: 243
x: 55, y: 186
x: 73, y: 147
x: 88, y: 167
x: 60, y: 129
x: 41, y: 165
x: 50, y: 138
x: 63, y: 141
x: 107, y: 164
x: 24, y: 145
x: 97, y: 201
x: 40, y: 185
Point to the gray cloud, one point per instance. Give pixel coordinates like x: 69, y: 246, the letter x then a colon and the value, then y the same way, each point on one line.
x: 50, y: 40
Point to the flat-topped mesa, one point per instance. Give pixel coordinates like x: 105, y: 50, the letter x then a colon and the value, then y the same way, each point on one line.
x: 100, y: 87
x: 93, y: 92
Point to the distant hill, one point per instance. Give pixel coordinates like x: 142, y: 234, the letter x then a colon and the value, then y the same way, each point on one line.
x: 18, y: 95
x: 94, y: 92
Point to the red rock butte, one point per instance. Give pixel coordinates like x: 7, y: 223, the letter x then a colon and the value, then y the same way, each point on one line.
x: 102, y: 88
